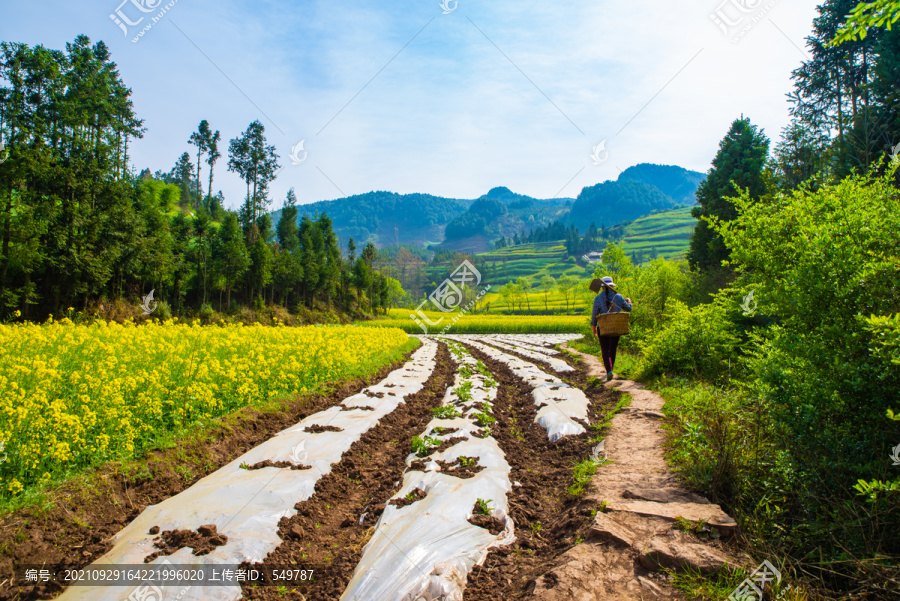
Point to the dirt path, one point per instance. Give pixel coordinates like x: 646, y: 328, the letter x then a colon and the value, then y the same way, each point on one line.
x: 634, y: 532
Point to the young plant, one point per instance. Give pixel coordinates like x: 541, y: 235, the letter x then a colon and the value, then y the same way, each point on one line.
x: 465, y: 371
x: 464, y: 391
x: 446, y: 412
x: 483, y: 419
x: 422, y: 446
x: 468, y: 461
x: 483, y: 507
x: 581, y: 475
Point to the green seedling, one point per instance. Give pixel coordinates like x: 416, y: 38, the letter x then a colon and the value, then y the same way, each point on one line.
x: 422, y: 446
x: 465, y: 371
x: 439, y: 430
x: 468, y: 461
x: 483, y: 419
x: 446, y: 412
x: 483, y: 507
x: 244, y: 465
x: 464, y: 391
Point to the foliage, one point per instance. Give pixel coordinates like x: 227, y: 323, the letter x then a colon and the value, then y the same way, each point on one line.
x: 738, y: 165
x: 422, y: 446
x: 74, y: 396
x: 697, y: 341
x: 878, y: 13
x: 483, y: 507
x: 581, y: 475
x: 445, y: 412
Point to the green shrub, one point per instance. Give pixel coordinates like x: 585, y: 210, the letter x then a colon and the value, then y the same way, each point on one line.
x: 699, y: 342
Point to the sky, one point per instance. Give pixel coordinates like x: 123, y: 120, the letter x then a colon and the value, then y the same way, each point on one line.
x: 451, y: 98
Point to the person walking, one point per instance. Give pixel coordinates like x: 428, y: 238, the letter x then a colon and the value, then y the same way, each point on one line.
x: 608, y: 301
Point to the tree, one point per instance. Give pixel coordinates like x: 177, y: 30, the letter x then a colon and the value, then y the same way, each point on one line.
x: 878, y: 13
x: 524, y: 284
x: 566, y: 284
x: 212, y: 155
x: 207, y: 143
x: 231, y: 257
x: 256, y: 163
x: 738, y: 165
x: 548, y: 284
x: 183, y: 174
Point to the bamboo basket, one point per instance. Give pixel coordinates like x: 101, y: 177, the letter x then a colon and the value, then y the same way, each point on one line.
x: 614, y: 324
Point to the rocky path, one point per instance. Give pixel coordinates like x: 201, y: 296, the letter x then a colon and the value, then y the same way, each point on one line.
x: 642, y: 514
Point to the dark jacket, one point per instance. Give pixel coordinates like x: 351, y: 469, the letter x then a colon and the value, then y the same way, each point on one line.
x: 603, y: 301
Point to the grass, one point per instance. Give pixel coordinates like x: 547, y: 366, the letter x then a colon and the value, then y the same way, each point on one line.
x: 581, y: 475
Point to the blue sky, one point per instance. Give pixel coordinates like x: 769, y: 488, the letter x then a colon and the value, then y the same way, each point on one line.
x: 400, y: 96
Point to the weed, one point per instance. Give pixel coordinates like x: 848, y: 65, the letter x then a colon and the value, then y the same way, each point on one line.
x: 581, y: 475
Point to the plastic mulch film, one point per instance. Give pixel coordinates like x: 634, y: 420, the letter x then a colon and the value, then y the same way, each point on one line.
x: 424, y: 551
x: 246, y: 505
x: 560, y: 403
x: 557, y: 365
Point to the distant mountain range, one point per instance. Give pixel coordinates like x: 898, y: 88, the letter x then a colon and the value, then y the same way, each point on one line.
x: 386, y: 218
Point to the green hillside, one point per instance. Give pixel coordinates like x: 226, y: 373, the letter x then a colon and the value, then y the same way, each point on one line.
x: 665, y: 234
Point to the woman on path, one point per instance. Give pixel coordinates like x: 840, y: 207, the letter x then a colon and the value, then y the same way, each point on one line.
x: 608, y: 301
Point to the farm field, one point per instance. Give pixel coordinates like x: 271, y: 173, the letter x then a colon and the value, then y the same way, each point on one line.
x: 526, y: 260
x: 477, y: 449
x: 667, y: 234
x: 73, y: 396
x: 481, y: 323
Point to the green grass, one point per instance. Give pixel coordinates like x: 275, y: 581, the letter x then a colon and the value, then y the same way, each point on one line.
x: 483, y: 323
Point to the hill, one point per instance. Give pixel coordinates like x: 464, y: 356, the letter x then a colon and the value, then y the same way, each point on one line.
x: 387, y: 217
x: 638, y: 191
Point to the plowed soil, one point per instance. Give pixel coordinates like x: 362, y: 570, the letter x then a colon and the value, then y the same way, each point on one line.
x: 331, y: 527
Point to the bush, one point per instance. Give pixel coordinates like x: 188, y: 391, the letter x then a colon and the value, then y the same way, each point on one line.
x: 698, y: 342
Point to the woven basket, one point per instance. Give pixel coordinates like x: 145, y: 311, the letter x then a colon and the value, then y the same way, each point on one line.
x: 613, y: 324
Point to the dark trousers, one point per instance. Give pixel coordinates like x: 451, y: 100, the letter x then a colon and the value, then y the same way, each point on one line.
x: 608, y: 345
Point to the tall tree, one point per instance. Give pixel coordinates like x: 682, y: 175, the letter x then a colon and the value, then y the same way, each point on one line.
x: 255, y: 162
x: 738, y: 165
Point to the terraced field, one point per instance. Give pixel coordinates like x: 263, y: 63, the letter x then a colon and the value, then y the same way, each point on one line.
x: 667, y: 233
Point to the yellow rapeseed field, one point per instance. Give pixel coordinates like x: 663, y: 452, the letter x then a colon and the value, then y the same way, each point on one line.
x: 76, y: 395
x: 484, y: 323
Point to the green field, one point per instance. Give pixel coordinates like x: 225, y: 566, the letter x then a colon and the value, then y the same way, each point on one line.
x: 665, y: 234
x: 483, y: 324
x: 529, y: 260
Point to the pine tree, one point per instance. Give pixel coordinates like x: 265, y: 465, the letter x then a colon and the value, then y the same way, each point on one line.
x: 739, y: 162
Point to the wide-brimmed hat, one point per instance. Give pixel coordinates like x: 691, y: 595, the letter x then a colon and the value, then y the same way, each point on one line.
x: 596, y: 285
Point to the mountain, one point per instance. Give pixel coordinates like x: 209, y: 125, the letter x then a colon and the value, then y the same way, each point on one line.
x: 386, y: 217
x: 638, y: 191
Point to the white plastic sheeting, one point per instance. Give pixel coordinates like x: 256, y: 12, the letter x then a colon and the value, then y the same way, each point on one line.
x: 560, y: 404
x: 424, y: 551
x: 246, y: 505
x: 557, y: 365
